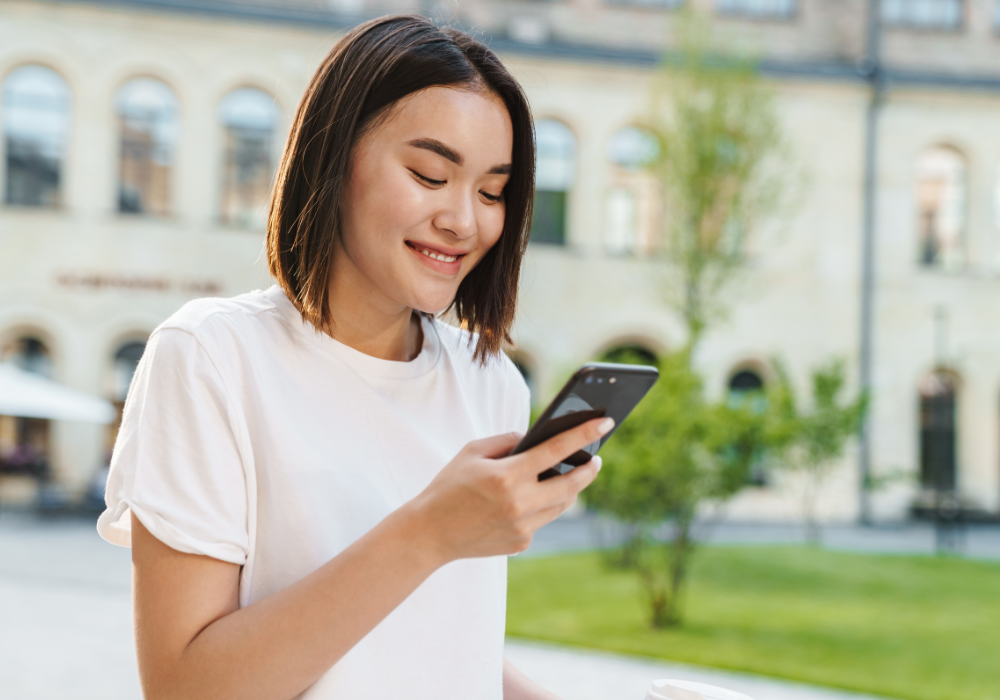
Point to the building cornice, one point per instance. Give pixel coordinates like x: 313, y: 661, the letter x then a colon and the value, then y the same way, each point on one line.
x: 821, y: 70
x: 296, y: 16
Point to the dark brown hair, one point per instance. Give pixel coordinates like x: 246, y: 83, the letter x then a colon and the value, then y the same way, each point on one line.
x: 374, y: 66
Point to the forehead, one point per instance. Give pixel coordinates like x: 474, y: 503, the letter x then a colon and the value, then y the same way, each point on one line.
x: 474, y: 122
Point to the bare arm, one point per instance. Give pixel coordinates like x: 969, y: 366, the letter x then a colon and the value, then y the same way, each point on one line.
x: 193, y: 641
x: 517, y: 686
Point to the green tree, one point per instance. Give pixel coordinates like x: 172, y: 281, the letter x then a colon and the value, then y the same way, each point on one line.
x: 676, y: 451
x: 818, y: 435
x: 718, y: 135
x: 720, y: 166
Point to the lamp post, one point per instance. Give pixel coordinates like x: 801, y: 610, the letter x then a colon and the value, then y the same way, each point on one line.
x: 871, y: 67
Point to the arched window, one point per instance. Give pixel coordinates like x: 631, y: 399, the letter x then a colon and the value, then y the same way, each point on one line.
x: 30, y: 354
x: 746, y: 388
x: 126, y: 361
x: 24, y: 442
x: 628, y: 215
x: 629, y: 354
x: 657, y: 4
x: 36, y: 120
x: 249, y: 118
x: 633, y: 148
x: 923, y: 14
x: 770, y: 9
x: 938, y: 439
x: 745, y: 380
x: 555, y: 172
x: 622, y: 226
x: 941, y: 207
x: 147, y: 118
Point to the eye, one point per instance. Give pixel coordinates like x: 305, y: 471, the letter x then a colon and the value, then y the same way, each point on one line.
x: 492, y: 197
x: 426, y: 179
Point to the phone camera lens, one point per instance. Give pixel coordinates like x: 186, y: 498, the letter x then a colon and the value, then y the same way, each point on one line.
x: 600, y: 379
x: 588, y: 380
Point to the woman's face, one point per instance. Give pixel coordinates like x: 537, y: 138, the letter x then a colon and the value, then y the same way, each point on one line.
x: 423, y: 203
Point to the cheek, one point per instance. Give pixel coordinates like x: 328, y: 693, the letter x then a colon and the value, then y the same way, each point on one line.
x: 491, y: 225
x: 400, y: 201
x: 382, y: 204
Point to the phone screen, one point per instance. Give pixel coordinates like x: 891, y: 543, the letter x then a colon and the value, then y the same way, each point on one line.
x: 596, y: 390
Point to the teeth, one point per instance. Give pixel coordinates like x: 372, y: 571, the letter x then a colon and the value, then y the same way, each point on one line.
x: 438, y: 256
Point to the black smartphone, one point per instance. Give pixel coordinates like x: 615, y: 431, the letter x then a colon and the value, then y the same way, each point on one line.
x: 595, y: 390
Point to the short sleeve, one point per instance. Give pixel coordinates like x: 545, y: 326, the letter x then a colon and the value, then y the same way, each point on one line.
x: 177, y: 461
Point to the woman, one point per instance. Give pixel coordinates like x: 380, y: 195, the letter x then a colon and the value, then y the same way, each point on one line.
x: 313, y: 479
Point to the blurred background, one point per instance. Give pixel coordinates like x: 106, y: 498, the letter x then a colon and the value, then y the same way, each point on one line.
x: 851, y: 150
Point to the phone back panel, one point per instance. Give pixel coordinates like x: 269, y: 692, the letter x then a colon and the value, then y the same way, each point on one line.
x: 597, y: 389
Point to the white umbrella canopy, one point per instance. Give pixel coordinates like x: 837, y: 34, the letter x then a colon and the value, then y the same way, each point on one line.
x: 27, y: 395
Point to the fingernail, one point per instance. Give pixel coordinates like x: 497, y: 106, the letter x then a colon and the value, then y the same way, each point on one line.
x: 600, y: 462
x: 606, y: 425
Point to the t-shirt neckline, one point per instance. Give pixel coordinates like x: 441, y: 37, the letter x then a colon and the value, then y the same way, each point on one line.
x: 424, y: 362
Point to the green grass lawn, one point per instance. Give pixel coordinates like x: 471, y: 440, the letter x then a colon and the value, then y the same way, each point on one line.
x: 920, y: 628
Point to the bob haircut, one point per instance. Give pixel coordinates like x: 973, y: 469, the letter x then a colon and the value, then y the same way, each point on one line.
x: 374, y: 66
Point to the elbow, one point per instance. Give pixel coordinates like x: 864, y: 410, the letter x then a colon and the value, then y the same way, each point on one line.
x: 159, y: 686
x: 174, y: 682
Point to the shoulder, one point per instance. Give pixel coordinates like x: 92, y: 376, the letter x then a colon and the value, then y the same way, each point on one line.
x: 498, y: 386
x: 224, y: 325
x: 207, y: 343
x: 220, y: 330
x: 205, y: 316
x: 499, y: 372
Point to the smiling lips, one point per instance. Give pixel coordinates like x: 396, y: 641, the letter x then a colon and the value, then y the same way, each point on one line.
x: 438, y: 256
x: 449, y: 258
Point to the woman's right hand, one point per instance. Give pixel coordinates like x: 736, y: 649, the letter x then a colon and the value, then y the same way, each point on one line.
x: 486, y: 502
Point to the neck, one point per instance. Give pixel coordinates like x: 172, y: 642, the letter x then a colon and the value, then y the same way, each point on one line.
x: 365, y: 319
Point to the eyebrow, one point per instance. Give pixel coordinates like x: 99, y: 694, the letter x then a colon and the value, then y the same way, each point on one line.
x: 435, y: 146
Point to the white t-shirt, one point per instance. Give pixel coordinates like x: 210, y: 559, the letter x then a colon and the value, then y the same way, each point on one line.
x: 249, y: 437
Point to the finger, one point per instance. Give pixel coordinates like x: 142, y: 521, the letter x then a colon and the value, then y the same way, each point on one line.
x: 563, y: 488
x: 556, y: 449
x: 566, y: 486
x: 495, y: 446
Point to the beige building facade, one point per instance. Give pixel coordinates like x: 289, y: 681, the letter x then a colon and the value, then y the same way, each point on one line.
x: 154, y: 202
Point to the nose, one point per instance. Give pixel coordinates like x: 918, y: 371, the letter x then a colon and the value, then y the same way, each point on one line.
x: 459, y: 215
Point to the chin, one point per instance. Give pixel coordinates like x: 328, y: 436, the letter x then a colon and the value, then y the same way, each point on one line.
x: 432, y: 303
x: 432, y: 309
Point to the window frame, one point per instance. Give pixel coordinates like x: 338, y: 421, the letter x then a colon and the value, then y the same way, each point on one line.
x: 59, y: 203
x: 762, y: 17
x: 273, y: 151
x: 958, y: 262
x: 910, y: 26
x: 562, y: 238
x: 665, y: 6
x: 170, y: 210
x: 636, y: 180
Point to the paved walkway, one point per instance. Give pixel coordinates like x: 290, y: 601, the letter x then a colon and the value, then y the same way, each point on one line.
x: 587, y: 531
x: 65, y: 614
x: 580, y: 674
x: 66, y: 624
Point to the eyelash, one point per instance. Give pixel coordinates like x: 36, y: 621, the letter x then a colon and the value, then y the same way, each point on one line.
x: 491, y: 197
